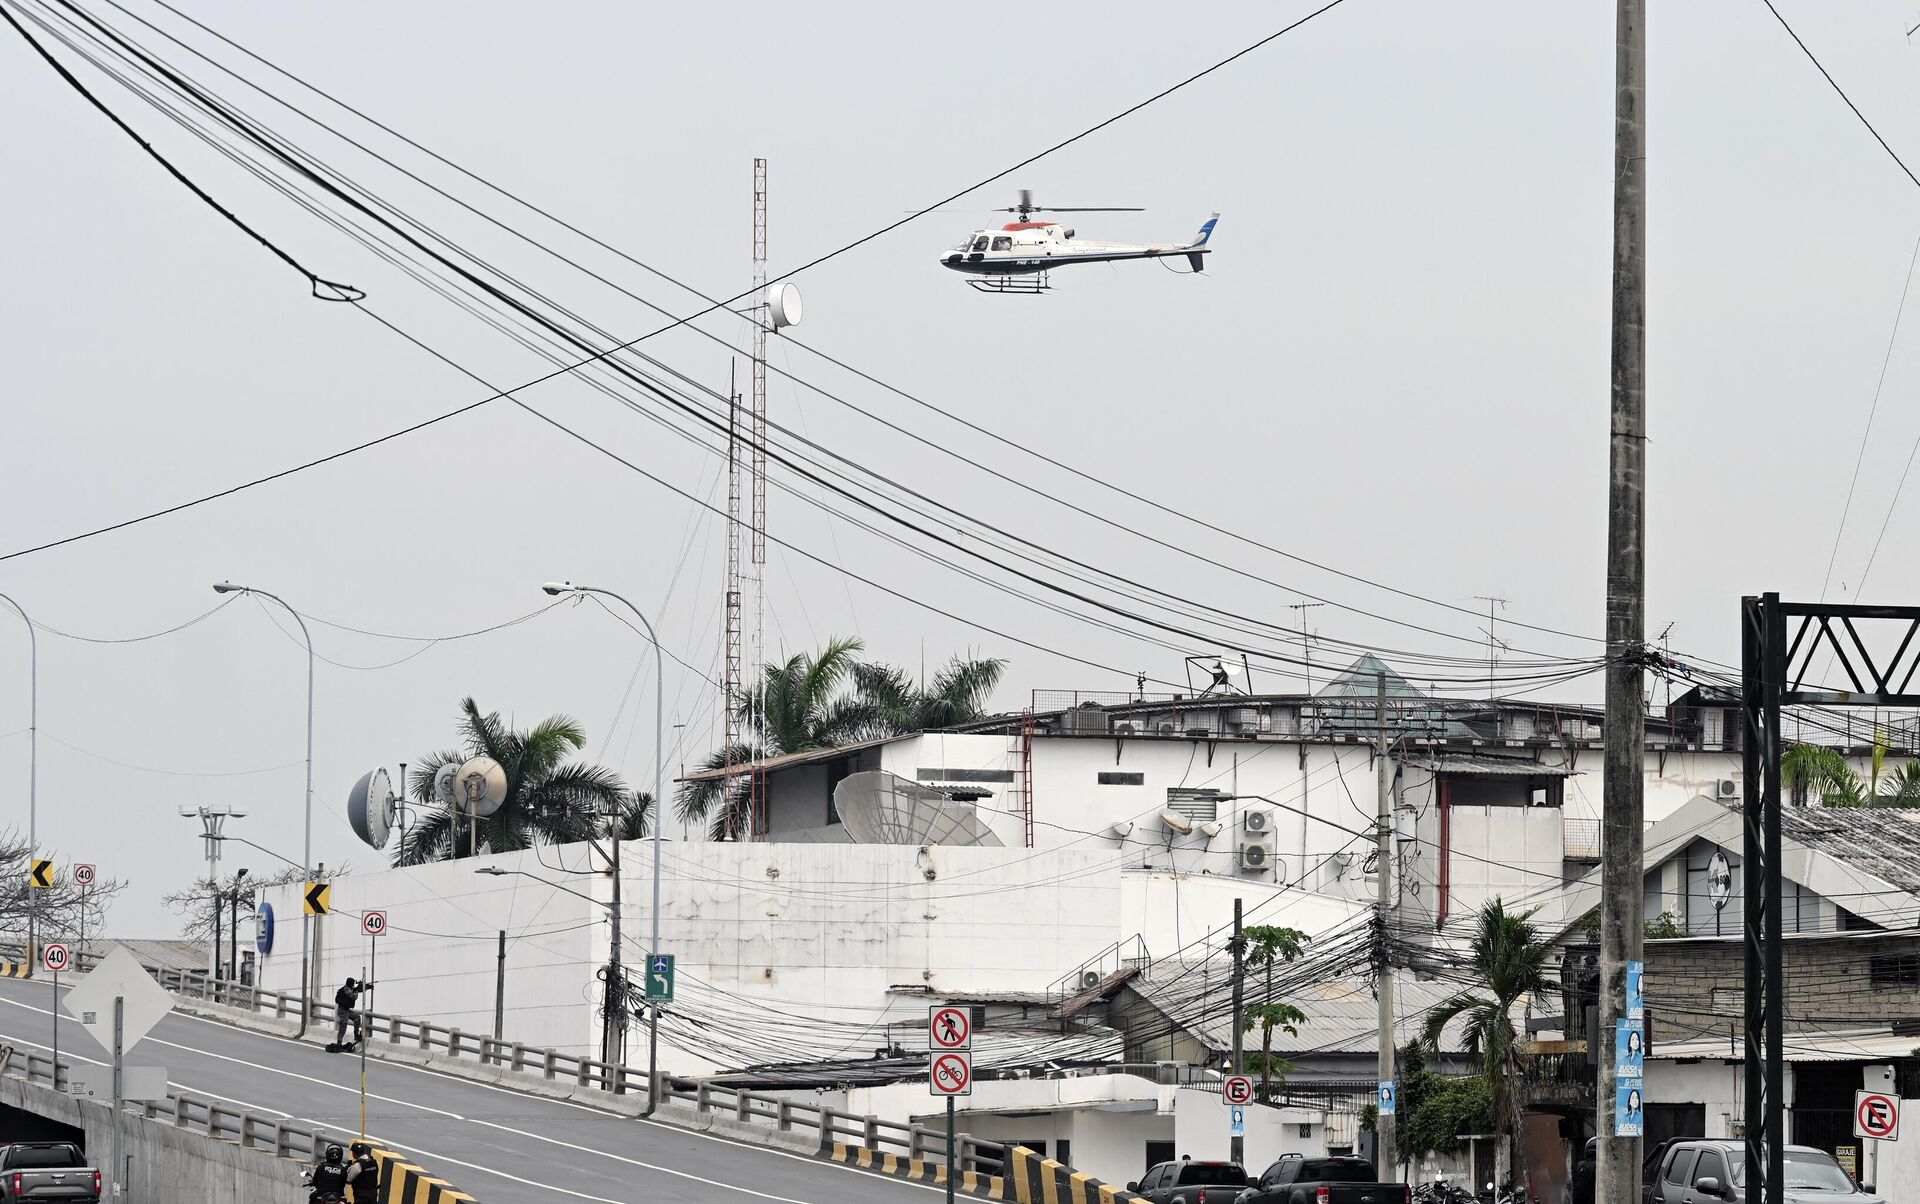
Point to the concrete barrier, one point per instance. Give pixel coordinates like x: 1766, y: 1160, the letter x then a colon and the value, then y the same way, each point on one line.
x: 166, y: 1165
x: 920, y: 1170
x: 1032, y: 1179
x: 402, y: 1182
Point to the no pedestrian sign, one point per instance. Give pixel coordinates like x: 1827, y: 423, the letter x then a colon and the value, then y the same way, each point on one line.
x: 949, y: 1027
x: 1876, y: 1114
x: 950, y: 1073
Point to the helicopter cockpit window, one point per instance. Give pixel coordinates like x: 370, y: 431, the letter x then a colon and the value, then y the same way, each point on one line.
x: 980, y: 243
x: 1002, y: 243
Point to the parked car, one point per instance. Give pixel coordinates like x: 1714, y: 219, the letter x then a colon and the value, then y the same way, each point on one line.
x: 1297, y: 1179
x: 1191, y: 1182
x: 46, y: 1172
x: 1708, y: 1172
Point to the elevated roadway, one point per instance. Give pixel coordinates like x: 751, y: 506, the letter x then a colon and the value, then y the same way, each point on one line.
x: 503, y: 1146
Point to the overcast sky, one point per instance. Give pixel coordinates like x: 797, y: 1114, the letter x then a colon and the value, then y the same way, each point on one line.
x: 1395, y: 365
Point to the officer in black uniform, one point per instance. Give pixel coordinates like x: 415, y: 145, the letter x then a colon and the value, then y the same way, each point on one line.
x: 330, y: 1178
x: 363, y: 1174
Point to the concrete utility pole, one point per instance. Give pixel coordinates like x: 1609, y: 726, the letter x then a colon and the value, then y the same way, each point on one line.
x: 1238, y: 1151
x: 1621, y: 885
x: 1385, y: 1158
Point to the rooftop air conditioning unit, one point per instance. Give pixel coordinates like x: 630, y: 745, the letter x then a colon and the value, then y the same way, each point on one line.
x: 1090, y: 979
x: 1256, y: 856
x: 1168, y: 729
x: 1241, y: 720
x: 1125, y: 727
x: 1728, y: 788
x: 1257, y: 823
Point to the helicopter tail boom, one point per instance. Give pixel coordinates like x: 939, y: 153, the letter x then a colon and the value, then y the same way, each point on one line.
x: 1206, y: 232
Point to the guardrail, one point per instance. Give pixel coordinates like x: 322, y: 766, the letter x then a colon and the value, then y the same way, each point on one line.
x: 196, y: 1114
x: 829, y: 1126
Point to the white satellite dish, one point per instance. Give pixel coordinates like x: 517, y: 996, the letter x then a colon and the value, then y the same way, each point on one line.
x: 884, y: 808
x: 443, y: 790
x: 370, y: 808
x: 1176, y: 822
x: 480, y: 786
x: 783, y: 304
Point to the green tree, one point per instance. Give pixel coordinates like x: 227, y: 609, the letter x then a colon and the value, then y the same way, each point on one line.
x: 1812, y: 771
x: 1266, y: 946
x: 1433, y: 1109
x: 822, y: 700
x: 549, y: 800
x: 1509, y: 958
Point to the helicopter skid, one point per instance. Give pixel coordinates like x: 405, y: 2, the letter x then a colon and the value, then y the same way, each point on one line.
x: 1031, y: 285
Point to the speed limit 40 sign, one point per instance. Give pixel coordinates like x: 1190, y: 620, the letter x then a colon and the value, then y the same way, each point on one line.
x: 374, y: 923
x: 56, y: 957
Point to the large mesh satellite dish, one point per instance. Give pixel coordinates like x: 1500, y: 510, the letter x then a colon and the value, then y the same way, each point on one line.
x: 481, y: 786
x: 884, y: 808
x: 370, y: 808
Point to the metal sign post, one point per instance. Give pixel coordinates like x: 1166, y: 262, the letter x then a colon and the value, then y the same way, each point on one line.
x: 950, y: 1069
x: 374, y: 924
x: 54, y: 958
x: 118, y: 1175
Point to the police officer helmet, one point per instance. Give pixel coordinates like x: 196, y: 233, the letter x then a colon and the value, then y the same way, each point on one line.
x: 334, y: 1153
x: 359, y: 1148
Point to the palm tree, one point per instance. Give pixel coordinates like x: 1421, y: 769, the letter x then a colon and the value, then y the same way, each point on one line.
x: 1509, y: 958
x: 826, y: 699
x: 798, y: 707
x: 1822, y: 773
x: 548, y: 801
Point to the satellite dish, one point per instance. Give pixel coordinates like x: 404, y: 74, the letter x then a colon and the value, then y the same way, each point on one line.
x: 370, y: 808
x: 443, y: 789
x: 783, y: 304
x: 1176, y: 822
x: 480, y: 786
x: 884, y: 808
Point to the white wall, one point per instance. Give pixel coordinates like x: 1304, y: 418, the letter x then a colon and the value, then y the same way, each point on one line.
x: 1716, y: 1084
x: 1201, y: 1130
x: 796, y: 951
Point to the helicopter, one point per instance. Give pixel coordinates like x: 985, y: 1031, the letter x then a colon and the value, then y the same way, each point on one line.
x: 1016, y: 257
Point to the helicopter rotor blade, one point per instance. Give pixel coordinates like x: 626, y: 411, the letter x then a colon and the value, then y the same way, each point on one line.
x: 1026, y: 199
x: 1088, y: 209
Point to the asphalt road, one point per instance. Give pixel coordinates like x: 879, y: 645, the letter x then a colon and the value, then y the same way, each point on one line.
x: 503, y: 1146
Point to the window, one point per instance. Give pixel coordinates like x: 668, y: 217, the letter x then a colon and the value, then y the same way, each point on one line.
x: 1158, y: 1152
x: 977, y: 1014
x: 837, y: 771
x: 980, y: 243
x: 1895, y: 970
x: 1039, y: 1147
x: 1201, y: 806
x: 964, y: 775
x: 1712, y: 1166
x: 1063, y: 1151
x: 1123, y: 779
x: 1002, y: 243
x: 1678, y: 1164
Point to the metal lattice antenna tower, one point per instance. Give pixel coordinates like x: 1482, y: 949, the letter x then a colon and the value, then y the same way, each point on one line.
x: 762, y: 319
x: 730, y: 650
x: 1493, y: 660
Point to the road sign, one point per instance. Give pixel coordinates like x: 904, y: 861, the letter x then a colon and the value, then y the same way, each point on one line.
x: 56, y: 957
x: 949, y: 1027
x: 83, y: 875
x: 660, y: 977
x: 1876, y: 1114
x: 319, y: 898
x: 136, y: 1082
x: 1238, y: 1122
x: 1636, y: 990
x: 1389, y: 1099
x: 263, y: 928
x: 1237, y: 1089
x: 41, y: 876
x: 950, y: 1073
x: 119, y: 975
x: 373, y: 923
x: 1629, y: 1112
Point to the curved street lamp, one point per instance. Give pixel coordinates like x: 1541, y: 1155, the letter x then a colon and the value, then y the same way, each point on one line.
x: 306, y: 848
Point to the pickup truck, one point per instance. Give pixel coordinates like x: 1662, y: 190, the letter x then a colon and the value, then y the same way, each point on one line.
x: 36, y: 1172
x: 1297, y: 1179
x: 1190, y: 1181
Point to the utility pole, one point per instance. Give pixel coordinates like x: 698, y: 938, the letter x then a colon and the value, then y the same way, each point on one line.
x: 1239, y: 1143
x: 613, y: 1038
x: 1384, y: 1160
x: 1623, y: 805
x: 1306, y: 655
x: 212, y: 819
x: 500, y: 988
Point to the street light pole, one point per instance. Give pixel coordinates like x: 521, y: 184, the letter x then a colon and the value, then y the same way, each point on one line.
x: 659, y: 802
x: 33, y: 775
x: 306, y: 847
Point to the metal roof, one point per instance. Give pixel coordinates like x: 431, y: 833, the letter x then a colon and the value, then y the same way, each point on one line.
x: 1478, y: 765
x: 1881, y: 841
x: 789, y: 760
x: 1860, y: 1045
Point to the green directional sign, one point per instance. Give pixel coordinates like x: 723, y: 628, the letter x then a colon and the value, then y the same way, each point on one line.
x: 660, y: 977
